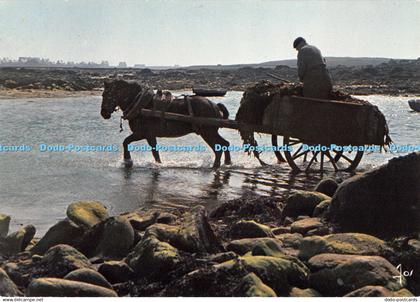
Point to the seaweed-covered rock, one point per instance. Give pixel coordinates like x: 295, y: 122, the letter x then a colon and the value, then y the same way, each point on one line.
x: 87, y: 213
x: 53, y: 287
x: 302, y: 203
x: 63, y: 232
x: 321, y: 210
x: 88, y: 276
x: 4, y: 225
x: 151, y: 256
x: 7, y: 287
x: 337, y: 275
x: 328, y: 186
x: 250, y: 229
x: 62, y: 259
x: 116, y: 271
x: 343, y: 243
x: 193, y: 235
x: 383, y: 201
x: 252, y: 286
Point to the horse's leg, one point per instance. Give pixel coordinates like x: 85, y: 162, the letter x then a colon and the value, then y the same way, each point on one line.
x: 128, y: 162
x: 274, y: 143
x: 152, y: 143
x: 210, y: 137
x: 254, y: 143
x: 224, y: 143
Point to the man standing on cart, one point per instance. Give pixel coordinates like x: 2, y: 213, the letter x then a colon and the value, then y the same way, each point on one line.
x: 312, y: 70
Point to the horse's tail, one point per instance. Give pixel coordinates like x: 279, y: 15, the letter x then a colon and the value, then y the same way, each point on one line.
x: 224, y: 110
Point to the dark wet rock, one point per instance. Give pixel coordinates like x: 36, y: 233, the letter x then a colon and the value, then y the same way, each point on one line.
x: 328, y: 186
x: 4, y: 225
x: 89, y: 241
x: 243, y: 246
x: 287, y: 221
x: 18, y: 241
x: 321, y: 210
x: 222, y: 257
x: 307, y: 292
x: 378, y: 291
x: 278, y: 273
x: 305, y: 225
x: 337, y: 275
x: 166, y: 218
x: 343, y: 243
x: 250, y: 229
x: 141, y: 221
x: 321, y: 231
x: 293, y: 240
x: 117, y: 238
x: 151, y: 256
x: 63, y: 232
x: 281, y: 230
x: 54, y: 287
x: 193, y: 235
x: 302, y: 203
x: 7, y: 287
x: 62, y: 259
x: 116, y: 271
x: 87, y: 213
x: 384, y: 201
x: 88, y: 276
x: 252, y: 286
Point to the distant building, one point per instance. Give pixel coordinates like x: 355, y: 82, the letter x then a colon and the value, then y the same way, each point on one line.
x: 122, y: 65
x: 140, y: 66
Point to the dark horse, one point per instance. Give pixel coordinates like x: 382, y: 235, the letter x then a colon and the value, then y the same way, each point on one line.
x: 122, y: 94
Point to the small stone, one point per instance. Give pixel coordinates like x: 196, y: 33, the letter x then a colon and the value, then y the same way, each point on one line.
x: 53, y: 287
x: 89, y: 276
x: 252, y: 286
x: 17, y: 242
x: 302, y: 203
x: 281, y: 230
x: 322, y: 208
x: 328, y: 186
x: 245, y: 245
x: 250, y: 229
x: 87, y: 213
x: 307, y: 292
x: 305, y: 225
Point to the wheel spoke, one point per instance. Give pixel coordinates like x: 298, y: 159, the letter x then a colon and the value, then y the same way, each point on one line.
x: 322, y: 162
x: 347, y: 158
x: 297, y: 151
x: 311, y: 161
x: 299, y: 155
x: 327, y: 153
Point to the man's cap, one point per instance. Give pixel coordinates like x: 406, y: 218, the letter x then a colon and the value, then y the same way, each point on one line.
x: 298, y: 41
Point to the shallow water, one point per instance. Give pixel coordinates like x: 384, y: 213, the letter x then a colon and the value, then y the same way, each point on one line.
x: 36, y: 187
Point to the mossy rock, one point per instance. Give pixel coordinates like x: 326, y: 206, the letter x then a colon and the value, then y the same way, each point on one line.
x: 88, y: 275
x: 302, y: 203
x: 343, y: 243
x: 243, y: 246
x: 280, y: 274
x: 337, y: 275
x: 378, y: 291
x: 4, y: 225
x: 307, y: 292
x: 7, y: 287
x: 250, y: 229
x: 18, y: 241
x: 303, y: 226
x: 151, y: 256
x: 87, y: 213
x: 252, y: 286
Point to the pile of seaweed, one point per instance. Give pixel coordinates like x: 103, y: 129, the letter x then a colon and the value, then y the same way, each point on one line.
x: 256, y: 99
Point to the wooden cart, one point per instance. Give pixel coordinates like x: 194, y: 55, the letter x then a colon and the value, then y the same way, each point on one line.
x: 318, y: 134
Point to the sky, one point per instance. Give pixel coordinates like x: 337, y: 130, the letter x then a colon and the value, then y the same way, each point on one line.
x: 188, y: 32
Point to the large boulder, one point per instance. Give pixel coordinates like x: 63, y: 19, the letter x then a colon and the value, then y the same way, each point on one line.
x: 302, y: 203
x: 250, y: 229
x: 7, y: 287
x: 63, y: 232
x: 116, y: 271
x: 337, y: 275
x: 18, y: 241
x: 53, y: 287
x: 252, y: 286
x: 88, y: 275
x: 4, y: 225
x: 151, y: 256
x: 62, y: 259
x: 87, y: 213
x: 384, y: 201
x: 117, y: 239
x: 343, y: 243
x: 194, y: 235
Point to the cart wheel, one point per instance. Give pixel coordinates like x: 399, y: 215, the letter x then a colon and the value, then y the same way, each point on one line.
x: 301, y: 159
x: 274, y: 143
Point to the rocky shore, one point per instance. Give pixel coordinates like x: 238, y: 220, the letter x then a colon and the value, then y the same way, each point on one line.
x: 357, y: 238
x: 392, y: 78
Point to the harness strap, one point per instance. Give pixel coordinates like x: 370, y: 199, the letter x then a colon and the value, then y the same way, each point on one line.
x: 191, y: 113
x: 143, y: 100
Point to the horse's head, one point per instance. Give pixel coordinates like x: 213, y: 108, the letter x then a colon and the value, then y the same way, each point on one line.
x: 109, y: 99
